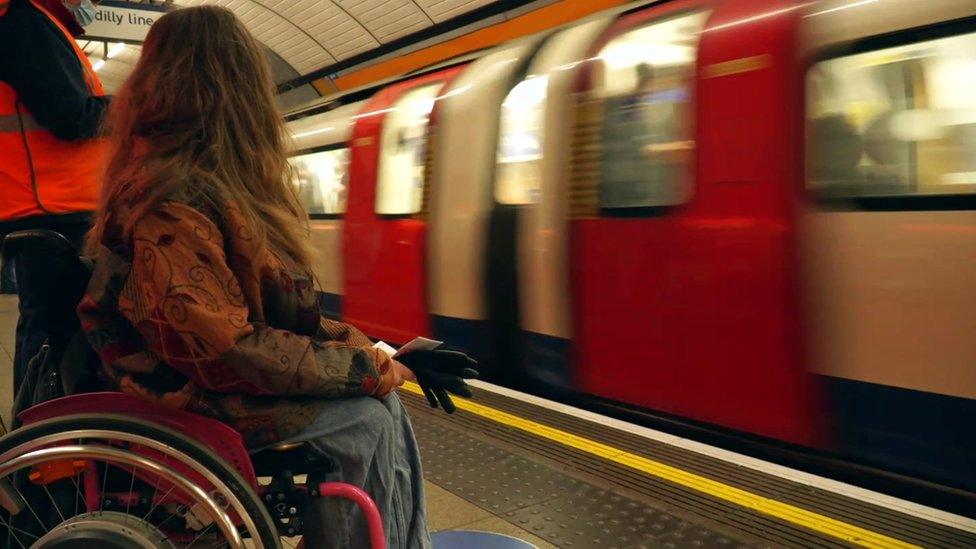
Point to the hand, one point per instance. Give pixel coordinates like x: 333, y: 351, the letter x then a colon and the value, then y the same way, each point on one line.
x: 440, y: 372
x: 396, y: 375
x: 401, y: 374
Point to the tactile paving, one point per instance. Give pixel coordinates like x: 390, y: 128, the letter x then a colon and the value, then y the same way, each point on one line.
x: 486, y: 475
x: 599, y: 518
x: 693, y: 538
x: 547, y: 502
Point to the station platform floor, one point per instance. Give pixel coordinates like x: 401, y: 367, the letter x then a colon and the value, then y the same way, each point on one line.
x: 555, y: 476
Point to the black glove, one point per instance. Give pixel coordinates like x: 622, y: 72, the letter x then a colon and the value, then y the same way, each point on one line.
x: 440, y: 372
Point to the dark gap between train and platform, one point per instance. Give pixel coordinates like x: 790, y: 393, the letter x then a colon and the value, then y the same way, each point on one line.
x: 881, y: 520
x: 816, y: 462
x: 830, y: 504
x: 841, y: 508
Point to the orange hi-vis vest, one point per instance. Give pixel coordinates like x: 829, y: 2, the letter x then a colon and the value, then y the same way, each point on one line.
x: 39, y: 173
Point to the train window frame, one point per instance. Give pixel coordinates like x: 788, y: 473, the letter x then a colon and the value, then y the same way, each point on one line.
x: 320, y: 149
x: 435, y: 87
x: 686, y: 189
x: 501, y: 191
x: 521, y: 75
x: 880, y: 202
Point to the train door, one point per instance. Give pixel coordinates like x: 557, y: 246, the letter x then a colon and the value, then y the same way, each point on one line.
x: 528, y: 268
x: 683, y: 214
x: 892, y: 236
x: 384, y: 244
x: 320, y: 167
x: 461, y: 183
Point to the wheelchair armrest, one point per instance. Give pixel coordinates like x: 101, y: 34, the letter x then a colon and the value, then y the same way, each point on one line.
x: 36, y: 239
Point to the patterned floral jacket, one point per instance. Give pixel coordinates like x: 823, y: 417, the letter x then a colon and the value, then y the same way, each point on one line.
x: 188, y: 313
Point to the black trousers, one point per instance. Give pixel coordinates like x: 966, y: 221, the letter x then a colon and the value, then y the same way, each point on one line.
x: 36, y: 274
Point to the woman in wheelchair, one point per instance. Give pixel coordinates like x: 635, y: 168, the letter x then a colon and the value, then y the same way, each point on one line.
x: 201, y: 298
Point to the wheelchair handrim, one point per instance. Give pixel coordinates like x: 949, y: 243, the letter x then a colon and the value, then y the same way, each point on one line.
x: 150, y: 443
x: 109, y: 454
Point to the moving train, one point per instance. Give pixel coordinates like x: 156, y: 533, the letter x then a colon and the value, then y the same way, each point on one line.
x: 757, y: 216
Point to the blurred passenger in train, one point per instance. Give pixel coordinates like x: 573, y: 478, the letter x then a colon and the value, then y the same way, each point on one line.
x: 307, y: 186
x: 890, y: 158
x: 647, y: 140
x: 835, y: 154
x: 202, y: 296
x: 666, y: 95
x: 51, y: 107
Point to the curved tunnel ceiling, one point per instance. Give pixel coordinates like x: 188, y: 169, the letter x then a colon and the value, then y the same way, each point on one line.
x: 311, y: 34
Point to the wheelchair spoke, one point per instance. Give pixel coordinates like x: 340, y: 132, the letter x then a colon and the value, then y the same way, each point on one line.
x: 78, y: 494
x: 53, y: 502
x: 128, y: 501
x: 156, y: 504
x: 30, y: 508
x: 11, y: 535
x: 23, y: 532
x: 200, y: 535
x: 165, y: 520
x: 101, y: 495
x: 152, y: 497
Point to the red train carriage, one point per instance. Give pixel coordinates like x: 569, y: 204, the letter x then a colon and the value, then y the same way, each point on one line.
x: 755, y: 216
x: 385, y: 233
x: 684, y: 224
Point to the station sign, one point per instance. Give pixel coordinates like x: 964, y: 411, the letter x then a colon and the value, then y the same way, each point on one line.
x: 117, y: 21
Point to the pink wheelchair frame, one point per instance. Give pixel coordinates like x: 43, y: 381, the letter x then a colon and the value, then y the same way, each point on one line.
x: 226, y: 443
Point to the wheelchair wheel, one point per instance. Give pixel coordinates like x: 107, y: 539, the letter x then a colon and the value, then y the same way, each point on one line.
x: 119, y: 483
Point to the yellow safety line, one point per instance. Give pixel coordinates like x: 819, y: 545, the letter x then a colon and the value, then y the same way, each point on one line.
x: 756, y: 502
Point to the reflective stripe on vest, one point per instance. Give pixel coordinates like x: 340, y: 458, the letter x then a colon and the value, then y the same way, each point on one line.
x: 17, y: 123
x: 40, y: 173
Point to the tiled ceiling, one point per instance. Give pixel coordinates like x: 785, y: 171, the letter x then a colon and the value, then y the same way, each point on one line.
x: 113, y: 61
x: 311, y: 34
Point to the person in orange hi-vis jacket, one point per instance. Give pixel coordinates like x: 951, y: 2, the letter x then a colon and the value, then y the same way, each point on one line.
x: 51, y: 156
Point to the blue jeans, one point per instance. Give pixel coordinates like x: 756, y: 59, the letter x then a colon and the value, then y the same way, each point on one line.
x: 372, y: 444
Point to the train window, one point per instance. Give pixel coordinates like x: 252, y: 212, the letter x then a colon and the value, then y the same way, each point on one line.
x: 519, y: 157
x: 403, y: 147
x: 645, y: 77
x: 321, y: 180
x: 899, y: 121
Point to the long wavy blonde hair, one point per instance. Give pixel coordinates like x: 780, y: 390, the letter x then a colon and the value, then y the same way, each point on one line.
x: 197, y: 121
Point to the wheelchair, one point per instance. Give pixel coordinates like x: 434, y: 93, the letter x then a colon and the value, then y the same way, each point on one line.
x: 105, y: 469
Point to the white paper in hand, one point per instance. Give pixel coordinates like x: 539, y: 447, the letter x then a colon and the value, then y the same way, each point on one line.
x: 383, y: 346
x: 418, y: 344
